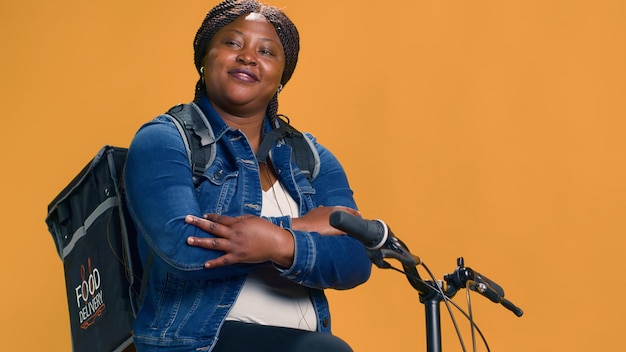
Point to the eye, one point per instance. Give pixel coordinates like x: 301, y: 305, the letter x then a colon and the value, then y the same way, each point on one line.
x: 266, y: 52
x: 232, y: 43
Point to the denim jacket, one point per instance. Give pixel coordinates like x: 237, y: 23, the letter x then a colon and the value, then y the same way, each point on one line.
x: 186, y: 304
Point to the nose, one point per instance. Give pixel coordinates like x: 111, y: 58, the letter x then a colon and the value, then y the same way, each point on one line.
x: 247, y: 56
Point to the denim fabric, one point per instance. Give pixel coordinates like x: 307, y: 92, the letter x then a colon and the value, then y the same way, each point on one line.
x: 186, y: 304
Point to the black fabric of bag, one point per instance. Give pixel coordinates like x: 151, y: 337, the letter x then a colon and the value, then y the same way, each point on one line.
x: 94, y: 235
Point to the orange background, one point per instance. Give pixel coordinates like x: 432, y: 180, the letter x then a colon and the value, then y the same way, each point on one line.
x: 492, y: 130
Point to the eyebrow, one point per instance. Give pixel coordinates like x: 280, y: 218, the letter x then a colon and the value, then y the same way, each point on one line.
x: 262, y: 38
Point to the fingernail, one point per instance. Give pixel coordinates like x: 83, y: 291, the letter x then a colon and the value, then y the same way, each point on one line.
x: 207, y: 265
x: 190, y: 240
x: 188, y: 219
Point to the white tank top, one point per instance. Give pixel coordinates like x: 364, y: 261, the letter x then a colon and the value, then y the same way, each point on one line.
x: 266, y: 298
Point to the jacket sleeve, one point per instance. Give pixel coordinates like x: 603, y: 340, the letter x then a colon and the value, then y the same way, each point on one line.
x: 160, y: 193
x: 339, y: 262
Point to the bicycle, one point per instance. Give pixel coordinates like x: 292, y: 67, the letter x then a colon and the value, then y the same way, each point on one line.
x: 381, y: 243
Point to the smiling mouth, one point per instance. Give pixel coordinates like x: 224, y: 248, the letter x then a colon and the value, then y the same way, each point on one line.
x: 243, y: 75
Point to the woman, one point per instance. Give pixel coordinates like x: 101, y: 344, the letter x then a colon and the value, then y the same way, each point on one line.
x: 242, y: 260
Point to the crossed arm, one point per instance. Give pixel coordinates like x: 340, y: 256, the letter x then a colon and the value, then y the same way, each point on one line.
x: 251, y: 239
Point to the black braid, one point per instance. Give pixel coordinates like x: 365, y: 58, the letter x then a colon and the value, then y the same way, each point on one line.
x: 227, y: 12
x: 272, y: 109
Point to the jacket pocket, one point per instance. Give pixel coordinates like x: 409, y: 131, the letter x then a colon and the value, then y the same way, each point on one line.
x: 218, y: 188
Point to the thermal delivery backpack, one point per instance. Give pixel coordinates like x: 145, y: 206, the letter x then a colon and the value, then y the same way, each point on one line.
x: 93, y: 233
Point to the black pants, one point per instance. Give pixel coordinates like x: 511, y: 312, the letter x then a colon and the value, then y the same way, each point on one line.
x: 244, y: 337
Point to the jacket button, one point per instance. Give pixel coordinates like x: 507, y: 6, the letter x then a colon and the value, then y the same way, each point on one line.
x: 325, y: 322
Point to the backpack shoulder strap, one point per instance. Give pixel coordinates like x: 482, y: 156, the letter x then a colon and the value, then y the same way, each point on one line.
x: 303, y: 151
x: 197, y: 135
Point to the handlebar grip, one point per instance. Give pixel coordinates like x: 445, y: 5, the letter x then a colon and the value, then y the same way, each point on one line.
x: 510, y: 306
x: 372, y: 233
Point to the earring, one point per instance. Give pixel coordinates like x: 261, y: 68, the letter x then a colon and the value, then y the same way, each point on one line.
x: 202, y: 74
x: 280, y: 88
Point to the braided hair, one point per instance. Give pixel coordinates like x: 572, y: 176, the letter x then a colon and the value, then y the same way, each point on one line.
x: 228, y: 11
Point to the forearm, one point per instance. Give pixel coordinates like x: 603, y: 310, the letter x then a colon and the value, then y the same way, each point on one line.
x: 338, y: 262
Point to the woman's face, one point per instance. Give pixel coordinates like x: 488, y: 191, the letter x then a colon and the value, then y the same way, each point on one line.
x: 243, y: 66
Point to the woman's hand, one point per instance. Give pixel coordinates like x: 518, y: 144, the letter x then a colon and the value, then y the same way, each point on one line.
x: 243, y: 239
x: 318, y: 220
